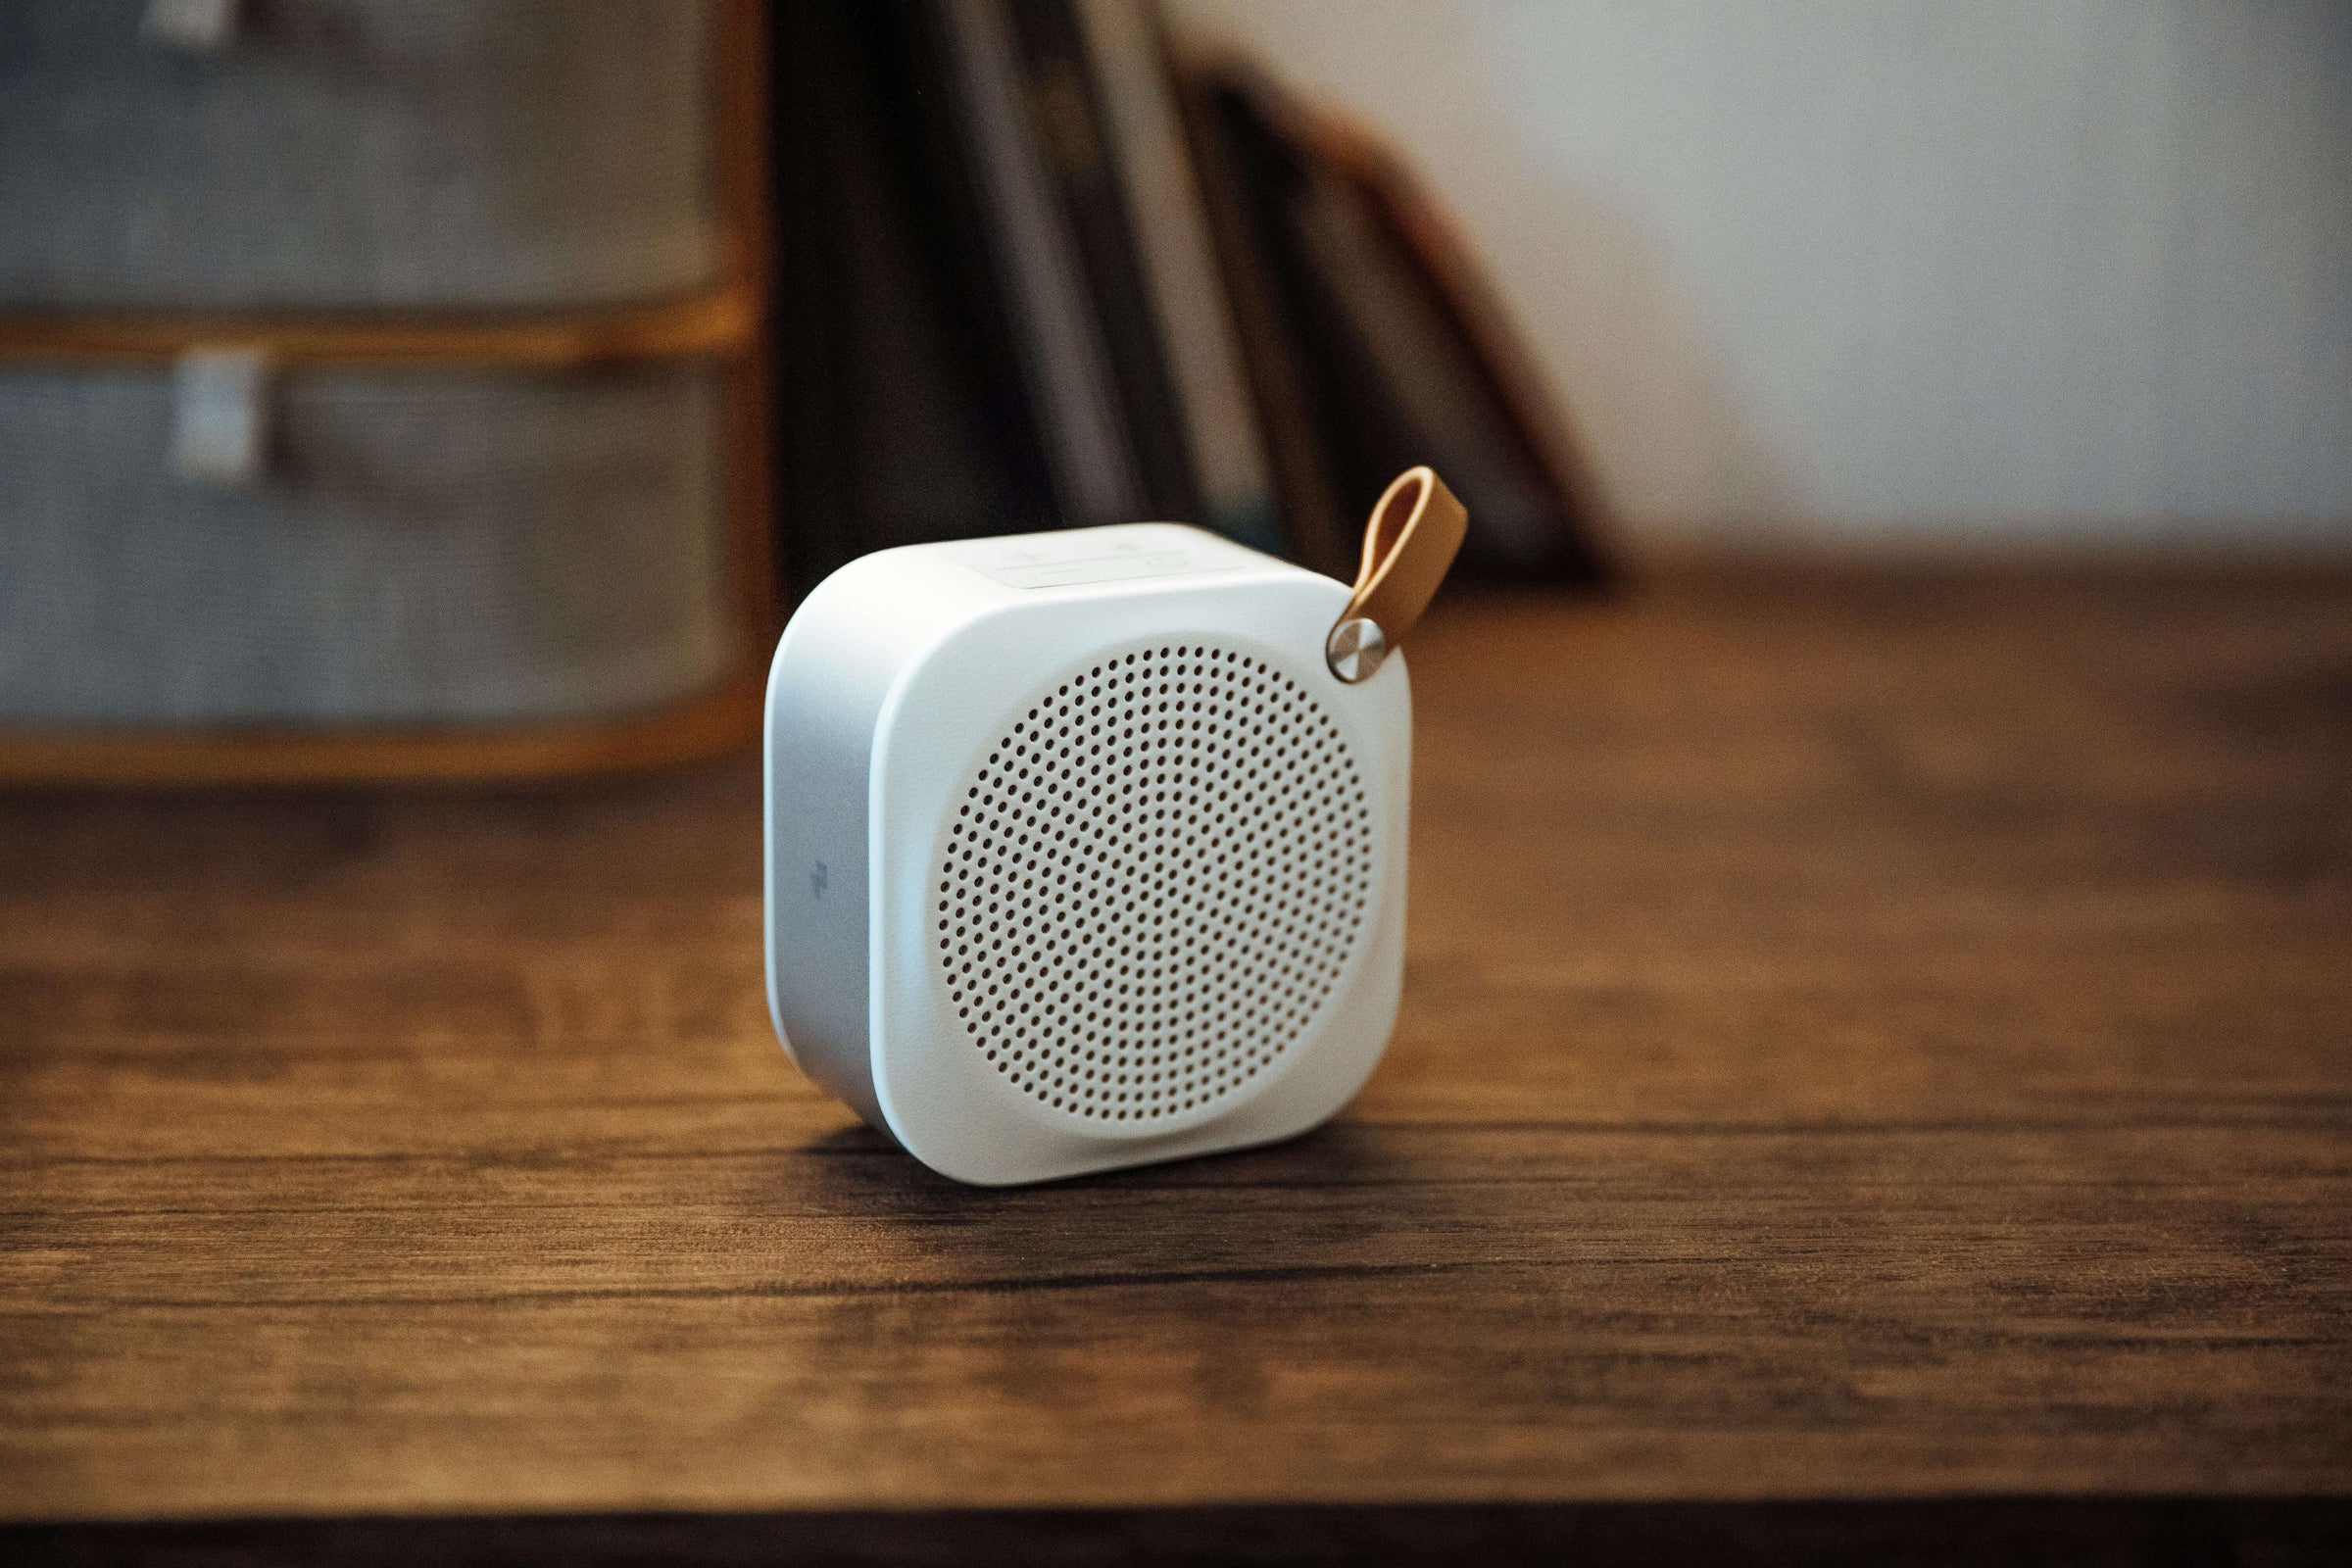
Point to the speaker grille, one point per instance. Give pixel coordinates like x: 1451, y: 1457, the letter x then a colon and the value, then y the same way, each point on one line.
x: 1152, y: 883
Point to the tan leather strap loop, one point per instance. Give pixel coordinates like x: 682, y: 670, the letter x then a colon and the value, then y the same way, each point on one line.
x: 1414, y: 531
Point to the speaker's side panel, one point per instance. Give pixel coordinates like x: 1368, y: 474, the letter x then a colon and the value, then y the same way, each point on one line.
x: 849, y: 643
x: 822, y: 690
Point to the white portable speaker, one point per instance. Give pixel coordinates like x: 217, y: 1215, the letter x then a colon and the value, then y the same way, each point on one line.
x: 1087, y: 849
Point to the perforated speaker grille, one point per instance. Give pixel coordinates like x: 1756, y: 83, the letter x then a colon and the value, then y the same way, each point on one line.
x: 1152, y: 883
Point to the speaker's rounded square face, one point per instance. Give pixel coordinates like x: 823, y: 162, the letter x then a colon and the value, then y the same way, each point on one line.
x: 1139, y: 877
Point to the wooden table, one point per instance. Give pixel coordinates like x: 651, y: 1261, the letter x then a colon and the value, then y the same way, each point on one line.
x: 1869, y: 1043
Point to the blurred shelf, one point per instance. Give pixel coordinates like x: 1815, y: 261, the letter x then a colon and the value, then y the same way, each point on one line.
x: 725, y: 321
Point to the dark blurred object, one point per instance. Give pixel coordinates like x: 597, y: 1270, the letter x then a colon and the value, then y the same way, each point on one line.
x: 1938, y: 1532
x: 378, y: 386
x: 1366, y: 318
x: 898, y: 417
x: 973, y: 331
x: 1032, y: 276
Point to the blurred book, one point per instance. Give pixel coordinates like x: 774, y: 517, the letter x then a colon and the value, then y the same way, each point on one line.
x: 1039, y: 268
x: 1188, y: 294
x: 1377, y: 344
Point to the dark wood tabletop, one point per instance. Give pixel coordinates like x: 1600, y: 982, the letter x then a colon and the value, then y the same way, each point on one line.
x: 1867, y: 1040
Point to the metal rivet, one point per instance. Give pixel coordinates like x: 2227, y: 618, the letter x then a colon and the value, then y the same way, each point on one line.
x: 1355, y: 649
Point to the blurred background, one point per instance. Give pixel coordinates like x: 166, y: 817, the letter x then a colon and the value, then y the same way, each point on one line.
x: 1873, y: 1024
x: 1966, y: 274
x: 467, y: 388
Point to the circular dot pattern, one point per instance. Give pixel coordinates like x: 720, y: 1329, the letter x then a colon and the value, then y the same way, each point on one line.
x: 1152, y: 882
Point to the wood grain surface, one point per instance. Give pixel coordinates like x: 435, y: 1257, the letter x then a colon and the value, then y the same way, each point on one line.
x: 1864, y: 1038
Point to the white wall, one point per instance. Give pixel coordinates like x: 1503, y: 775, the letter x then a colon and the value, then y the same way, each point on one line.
x: 1899, y: 268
